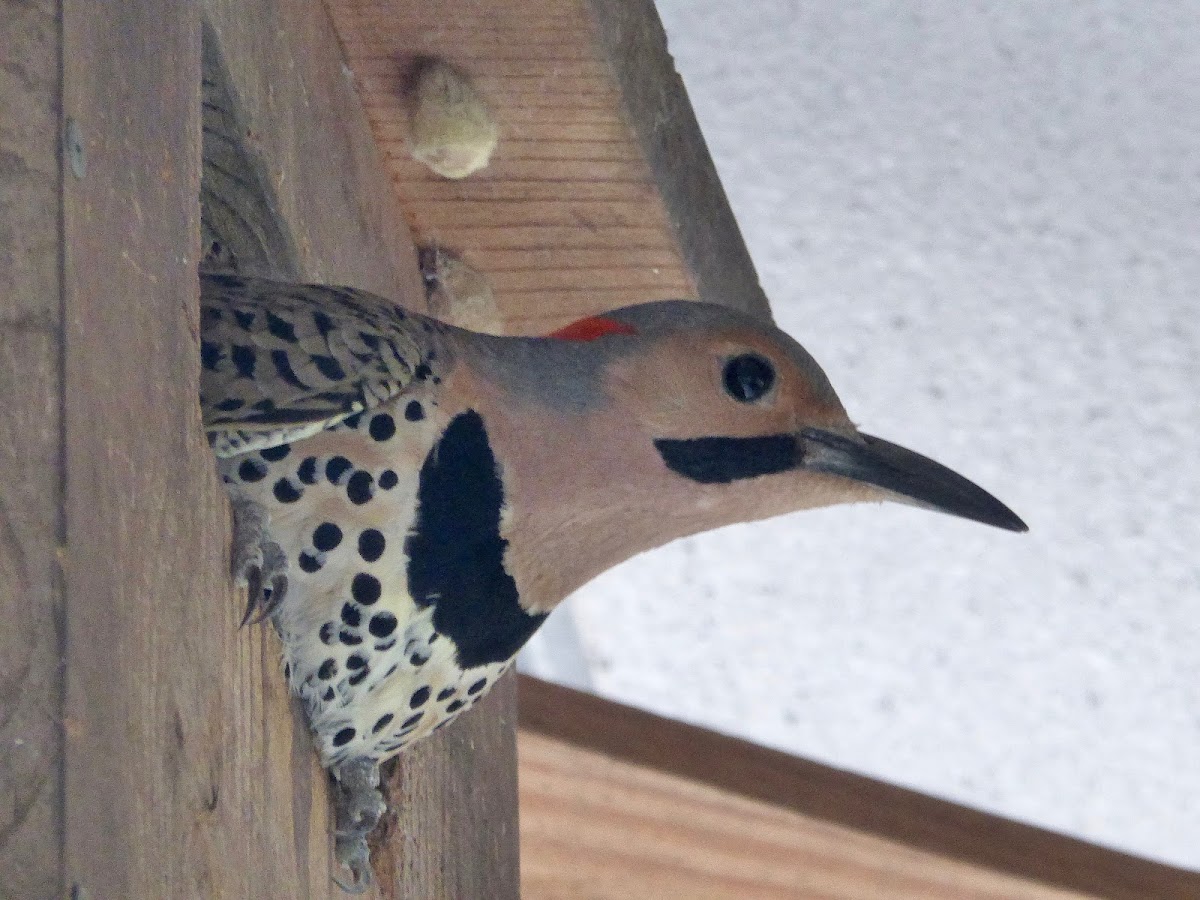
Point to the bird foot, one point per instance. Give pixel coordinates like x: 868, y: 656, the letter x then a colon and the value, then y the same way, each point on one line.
x: 257, y: 562
x: 359, y: 805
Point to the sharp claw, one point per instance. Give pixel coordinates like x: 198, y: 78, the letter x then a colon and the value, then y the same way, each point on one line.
x: 357, y: 859
x: 279, y: 589
x: 258, y: 562
x: 262, y: 601
x: 247, y: 559
x: 254, y: 590
x: 359, y: 807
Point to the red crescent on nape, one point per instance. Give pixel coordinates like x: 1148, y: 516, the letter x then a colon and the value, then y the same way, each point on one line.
x: 591, y: 328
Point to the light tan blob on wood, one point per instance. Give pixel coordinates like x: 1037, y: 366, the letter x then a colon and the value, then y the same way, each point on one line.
x: 458, y: 293
x: 451, y: 128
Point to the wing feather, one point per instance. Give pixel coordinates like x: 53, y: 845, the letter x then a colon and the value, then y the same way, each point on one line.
x: 284, y: 361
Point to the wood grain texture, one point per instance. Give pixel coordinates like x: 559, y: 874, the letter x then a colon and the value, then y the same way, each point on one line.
x: 147, y: 635
x: 31, y: 681
x: 951, y: 833
x: 569, y: 176
x: 657, y: 105
x: 456, y: 796
x: 187, y: 772
x: 452, y: 831
x: 305, y: 124
x: 604, y: 829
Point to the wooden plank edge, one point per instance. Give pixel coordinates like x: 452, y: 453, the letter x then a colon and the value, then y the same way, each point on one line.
x: 657, y: 106
x: 844, y: 798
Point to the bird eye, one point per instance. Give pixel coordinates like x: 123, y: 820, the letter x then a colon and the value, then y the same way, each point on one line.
x: 748, y: 377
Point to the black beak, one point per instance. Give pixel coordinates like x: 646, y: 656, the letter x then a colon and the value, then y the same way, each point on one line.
x: 909, y: 475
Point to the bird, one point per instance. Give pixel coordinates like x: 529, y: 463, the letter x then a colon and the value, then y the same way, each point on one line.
x: 411, y: 499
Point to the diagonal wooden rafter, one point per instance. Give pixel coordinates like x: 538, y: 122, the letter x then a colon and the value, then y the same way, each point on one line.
x: 591, y: 198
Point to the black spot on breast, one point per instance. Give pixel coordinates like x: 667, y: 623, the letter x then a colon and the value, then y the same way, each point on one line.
x: 355, y: 662
x: 307, y: 473
x: 422, y: 372
x: 720, y: 460
x: 309, y: 563
x: 411, y: 721
x: 352, y: 422
x: 349, y: 638
x: 336, y: 468
x: 388, y: 479
x: 360, y: 487
x: 382, y: 427
x: 328, y: 695
x: 477, y: 686
x: 244, y: 358
x: 328, y: 670
x: 244, y: 318
x: 359, y: 677
x: 420, y: 695
x: 326, y: 536
x: 371, y: 544
x: 351, y: 615
x: 326, y: 633
x: 456, y: 553
x: 414, y: 412
x: 417, y: 660
x: 343, y: 737
x: 286, y: 492
x: 384, y: 721
x: 252, y: 470
x: 328, y: 366
x: 455, y: 706
x: 281, y: 328
x: 275, y: 454
x: 445, y: 694
x: 233, y: 404
x: 382, y: 624
x: 371, y: 341
x: 210, y: 355
x: 365, y: 588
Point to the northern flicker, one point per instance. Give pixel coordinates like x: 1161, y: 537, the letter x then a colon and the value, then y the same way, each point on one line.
x: 411, y: 499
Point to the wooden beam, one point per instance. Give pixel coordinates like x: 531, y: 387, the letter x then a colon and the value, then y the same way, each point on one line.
x: 452, y: 828
x: 601, y: 192
x: 148, y: 614
x: 150, y: 749
x: 657, y: 106
x: 597, y: 827
x: 857, y: 805
x: 31, y: 532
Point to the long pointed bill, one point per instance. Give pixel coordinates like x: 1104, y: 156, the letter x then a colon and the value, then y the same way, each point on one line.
x: 909, y: 475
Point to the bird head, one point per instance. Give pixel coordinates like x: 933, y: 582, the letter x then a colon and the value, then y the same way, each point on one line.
x: 623, y: 431
x: 728, y: 400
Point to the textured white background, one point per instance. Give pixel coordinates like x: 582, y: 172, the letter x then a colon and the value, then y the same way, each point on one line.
x: 983, y: 219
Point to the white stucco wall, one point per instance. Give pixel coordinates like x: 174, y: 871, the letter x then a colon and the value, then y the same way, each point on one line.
x: 983, y: 219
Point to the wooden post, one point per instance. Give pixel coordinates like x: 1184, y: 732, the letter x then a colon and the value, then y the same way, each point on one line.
x: 31, y: 530
x: 148, y: 745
